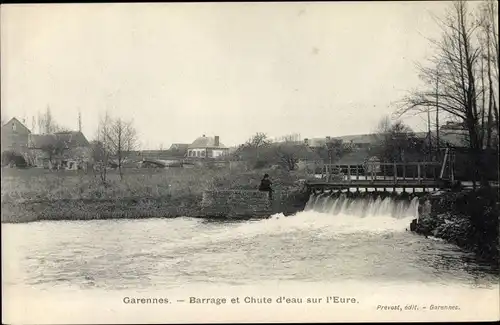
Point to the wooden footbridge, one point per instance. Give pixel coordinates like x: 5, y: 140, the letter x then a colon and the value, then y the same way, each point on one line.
x: 409, y: 176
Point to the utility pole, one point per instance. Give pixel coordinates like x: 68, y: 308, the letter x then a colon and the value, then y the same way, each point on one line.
x: 437, y: 114
x: 79, y: 121
x: 429, y: 134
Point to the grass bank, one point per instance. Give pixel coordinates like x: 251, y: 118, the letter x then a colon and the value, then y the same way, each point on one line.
x: 469, y: 219
x: 37, y: 194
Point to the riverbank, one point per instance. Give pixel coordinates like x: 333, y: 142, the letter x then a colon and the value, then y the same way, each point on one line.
x: 30, y: 195
x: 467, y: 218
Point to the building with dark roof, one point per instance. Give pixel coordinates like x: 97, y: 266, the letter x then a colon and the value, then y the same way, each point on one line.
x: 69, y: 149
x: 15, y: 136
x: 207, y: 147
x: 179, y: 147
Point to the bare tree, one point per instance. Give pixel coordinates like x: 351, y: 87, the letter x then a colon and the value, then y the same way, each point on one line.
x: 100, y: 157
x: 47, y: 124
x: 290, y: 153
x: 258, y: 140
x: 396, y: 141
x: 119, y: 137
x: 489, y: 42
x: 256, y: 151
x: 384, y: 125
x: 54, y: 150
x: 456, y: 70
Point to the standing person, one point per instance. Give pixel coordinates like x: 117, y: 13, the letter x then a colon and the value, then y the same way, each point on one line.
x: 265, y: 185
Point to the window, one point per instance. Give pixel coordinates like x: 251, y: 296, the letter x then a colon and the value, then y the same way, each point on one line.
x: 203, y: 153
x: 14, y: 126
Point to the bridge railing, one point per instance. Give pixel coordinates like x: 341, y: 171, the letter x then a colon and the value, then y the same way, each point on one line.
x: 375, y: 171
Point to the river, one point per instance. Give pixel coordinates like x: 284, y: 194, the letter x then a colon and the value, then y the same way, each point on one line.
x: 81, y: 271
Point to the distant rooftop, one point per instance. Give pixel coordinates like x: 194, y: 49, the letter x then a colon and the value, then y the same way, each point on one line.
x: 70, y: 138
x: 207, y: 142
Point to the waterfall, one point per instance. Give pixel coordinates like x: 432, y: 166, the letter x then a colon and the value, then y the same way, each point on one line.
x: 363, y: 207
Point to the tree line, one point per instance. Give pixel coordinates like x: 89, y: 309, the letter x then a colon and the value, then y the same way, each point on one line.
x: 392, y: 141
x: 460, y: 80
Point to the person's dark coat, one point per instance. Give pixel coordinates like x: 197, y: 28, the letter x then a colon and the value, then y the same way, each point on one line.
x: 265, y: 185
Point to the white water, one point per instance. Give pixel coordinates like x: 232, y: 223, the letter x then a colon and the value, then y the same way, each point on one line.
x: 343, y: 207
x: 79, y: 271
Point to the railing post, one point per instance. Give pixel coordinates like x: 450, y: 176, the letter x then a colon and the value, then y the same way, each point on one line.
x: 418, y: 173
x: 395, y: 174
x: 443, y: 166
x: 349, y: 173
x: 452, y: 167
x: 357, y: 172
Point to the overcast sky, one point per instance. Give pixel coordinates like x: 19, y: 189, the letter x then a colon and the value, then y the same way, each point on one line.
x: 183, y: 70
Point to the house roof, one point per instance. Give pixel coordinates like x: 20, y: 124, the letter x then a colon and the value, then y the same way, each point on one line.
x: 18, y: 123
x: 179, y: 146
x: 70, y: 138
x: 42, y: 140
x: 356, y: 139
x: 73, y: 138
x: 205, y: 142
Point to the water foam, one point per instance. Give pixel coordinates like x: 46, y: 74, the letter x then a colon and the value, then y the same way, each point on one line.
x: 363, y: 207
x: 322, y: 216
x: 347, y: 215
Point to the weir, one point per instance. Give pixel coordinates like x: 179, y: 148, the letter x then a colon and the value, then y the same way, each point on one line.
x: 244, y: 204
x: 395, y: 206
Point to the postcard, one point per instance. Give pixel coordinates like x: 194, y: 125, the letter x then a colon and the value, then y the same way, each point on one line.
x: 249, y: 162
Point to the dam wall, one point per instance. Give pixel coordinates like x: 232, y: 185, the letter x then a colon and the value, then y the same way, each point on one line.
x: 251, y: 203
x: 236, y: 203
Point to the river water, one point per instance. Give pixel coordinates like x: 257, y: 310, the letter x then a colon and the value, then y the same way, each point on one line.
x: 81, y: 271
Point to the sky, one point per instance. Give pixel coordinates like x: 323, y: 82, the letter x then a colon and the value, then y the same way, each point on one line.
x: 228, y: 69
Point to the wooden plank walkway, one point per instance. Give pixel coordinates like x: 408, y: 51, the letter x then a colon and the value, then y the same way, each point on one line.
x: 377, y: 184
x: 412, y: 175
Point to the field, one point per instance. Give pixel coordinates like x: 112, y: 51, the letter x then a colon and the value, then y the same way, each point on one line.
x: 36, y: 194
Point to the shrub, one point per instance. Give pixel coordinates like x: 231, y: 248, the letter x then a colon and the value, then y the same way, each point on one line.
x: 13, y: 158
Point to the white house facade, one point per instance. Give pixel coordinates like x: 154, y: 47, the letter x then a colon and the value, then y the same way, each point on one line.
x: 207, y: 147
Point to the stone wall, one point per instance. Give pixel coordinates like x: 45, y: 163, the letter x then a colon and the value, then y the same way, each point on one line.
x: 252, y: 203
x: 236, y: 203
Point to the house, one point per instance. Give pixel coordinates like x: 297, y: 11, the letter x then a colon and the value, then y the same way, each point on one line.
x: 358, y: 141
x: 207, y: 148
x: 179, y: 147
x: 15, y: 136
x: 69, y: 150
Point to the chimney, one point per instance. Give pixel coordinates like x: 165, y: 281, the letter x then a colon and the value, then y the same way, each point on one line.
x: 216, y: 141
x: 328, y: 138
x: 306, y: 141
